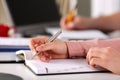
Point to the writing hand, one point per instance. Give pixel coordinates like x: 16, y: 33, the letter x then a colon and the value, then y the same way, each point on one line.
x: 54, y: 50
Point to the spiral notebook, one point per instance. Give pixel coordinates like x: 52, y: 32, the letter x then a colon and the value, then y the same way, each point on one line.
x: 57, y: 66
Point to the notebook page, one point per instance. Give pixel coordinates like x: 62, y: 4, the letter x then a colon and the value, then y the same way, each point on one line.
x: 26, y: 53
x: 57, y: 65
x: 29, y: 61
x: 61, y: 66
x: 79, y: 34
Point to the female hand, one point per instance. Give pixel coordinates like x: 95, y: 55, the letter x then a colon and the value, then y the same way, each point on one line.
x: 107, y: 58
x: 53, y: 50
x: 78, y: 22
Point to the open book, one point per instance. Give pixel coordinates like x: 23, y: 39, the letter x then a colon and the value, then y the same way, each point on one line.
x: 57, y: 66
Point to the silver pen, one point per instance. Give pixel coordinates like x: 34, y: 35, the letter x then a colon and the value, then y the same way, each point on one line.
x: 51, y: 39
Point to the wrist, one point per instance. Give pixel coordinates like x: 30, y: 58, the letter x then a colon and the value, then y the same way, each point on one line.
x: 67, y: 52
x: 75, y: 49
x: 88, y: 23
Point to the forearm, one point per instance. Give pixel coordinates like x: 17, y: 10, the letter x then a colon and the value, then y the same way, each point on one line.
x: 106, y: 23
x: 80, y: 48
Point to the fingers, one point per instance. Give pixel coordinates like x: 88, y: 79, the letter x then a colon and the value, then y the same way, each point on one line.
x: 93, y: 52
x: 64, y: 25
x: 96, y: 56
x: 44, y: 53
x: 52, y: 50
x: 44, y: 56
x: 95, y: 61
x: 48, y: 55
x: 35, y: 42
x: 45, y: 47
x: 63, y: 22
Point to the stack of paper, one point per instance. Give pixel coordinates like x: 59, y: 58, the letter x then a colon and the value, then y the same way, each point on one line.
x: 13, y: 44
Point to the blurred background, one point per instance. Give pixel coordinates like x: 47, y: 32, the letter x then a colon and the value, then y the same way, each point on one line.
x: 55, y: 8
x: 90, y: 8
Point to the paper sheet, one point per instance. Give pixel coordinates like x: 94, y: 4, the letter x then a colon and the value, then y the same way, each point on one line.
x: 58, y: 65
x: 14, y: 41
x: 79, y: 34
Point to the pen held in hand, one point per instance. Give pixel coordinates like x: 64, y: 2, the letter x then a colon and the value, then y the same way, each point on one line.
x: 71, y: 14
x: 51, y: 39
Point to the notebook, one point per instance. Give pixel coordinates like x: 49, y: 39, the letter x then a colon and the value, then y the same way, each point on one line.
x: 79, y: 34
x: 57, y: 66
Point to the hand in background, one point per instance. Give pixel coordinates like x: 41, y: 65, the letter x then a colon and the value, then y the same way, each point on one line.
x: 77, y: 23
x: 107, y: 58
x: 56, y: 49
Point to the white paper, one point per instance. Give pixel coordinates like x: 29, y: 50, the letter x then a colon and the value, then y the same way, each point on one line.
x: 79, y: 34
x: 57, y: 65
x: 14, y: 41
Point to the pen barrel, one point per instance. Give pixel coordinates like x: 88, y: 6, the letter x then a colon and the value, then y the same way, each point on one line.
x: 71, y: 16
x: 51, y: 39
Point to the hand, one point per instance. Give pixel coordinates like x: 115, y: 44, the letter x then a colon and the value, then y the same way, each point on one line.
x: 53, y: 50
x: 77, y: 23
x: 107, y: 58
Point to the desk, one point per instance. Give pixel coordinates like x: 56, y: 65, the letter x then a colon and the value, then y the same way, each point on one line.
x: 20, y: 70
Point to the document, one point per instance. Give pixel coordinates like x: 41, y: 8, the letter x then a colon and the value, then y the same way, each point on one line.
x: 14, y: 41
x: 79, y: 34
x: 13, y: 44
x: 56, y: 66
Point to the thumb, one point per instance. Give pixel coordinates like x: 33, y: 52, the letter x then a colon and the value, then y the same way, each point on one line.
x: 45, y: 47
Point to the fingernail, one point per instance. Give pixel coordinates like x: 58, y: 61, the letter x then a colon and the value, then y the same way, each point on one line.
x: 71, y: 25
x: 43, y: 58
x: 33, y: 50
x: 95, y: 66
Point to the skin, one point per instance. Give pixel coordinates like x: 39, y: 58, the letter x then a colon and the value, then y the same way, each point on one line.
x: 77, y: 23
x: 104, y: 23
x: 107, y: 58
x: 54, y: 50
